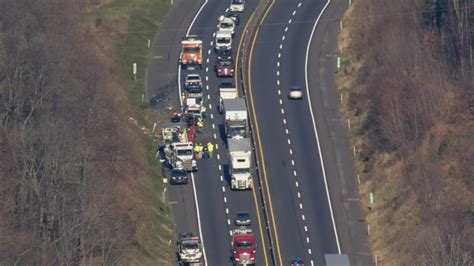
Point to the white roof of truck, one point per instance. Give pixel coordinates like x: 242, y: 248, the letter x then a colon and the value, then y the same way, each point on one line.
x: 232, y: 105
x: 336, y: 260
x: 239, y: 144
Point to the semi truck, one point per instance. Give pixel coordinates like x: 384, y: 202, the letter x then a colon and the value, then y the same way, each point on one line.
x: 191, y: 51
x: 243, y: 246
x: 240, y: 151
x: 236, y: 118
x: 227, y: 90
x: 178, y: 147
x: 189, y: 249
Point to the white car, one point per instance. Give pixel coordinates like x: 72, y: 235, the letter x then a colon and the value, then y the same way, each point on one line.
x: 295, y: 93
x: 193, y: 80
x: 237, y: 6
x: 226, y: 24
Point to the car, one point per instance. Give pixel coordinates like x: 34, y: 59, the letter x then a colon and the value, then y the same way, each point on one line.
x: 295, y: 93
x: 178, y: 176
x: 226, y: 24
x: 193, y: 80
x: 224, y: 67
x: 237, y: 6
x: 234, y: 16
x: 242, y: 219
x: 297, y: 262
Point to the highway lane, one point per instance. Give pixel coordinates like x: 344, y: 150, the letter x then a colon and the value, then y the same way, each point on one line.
x: 297, y: 186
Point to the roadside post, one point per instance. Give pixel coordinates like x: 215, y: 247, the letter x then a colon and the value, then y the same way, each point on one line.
x: 338, y: 62
x: 134, y: 71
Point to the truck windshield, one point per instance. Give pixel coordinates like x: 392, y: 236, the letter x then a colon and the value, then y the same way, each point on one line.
x: 237, y: 131
x: 194, y: 89
x: 223, y: 40
x: 185, y: 152
x: 226, y: 26
x: 190, y: 245
x: 241, y: 170
x: 243, y: 244
x: 191, y: 49
x: 227, y: 84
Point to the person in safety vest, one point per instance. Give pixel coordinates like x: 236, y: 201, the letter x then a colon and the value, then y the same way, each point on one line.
x: 210, y: 149
x: 198, y: 151
x: 200, y: 124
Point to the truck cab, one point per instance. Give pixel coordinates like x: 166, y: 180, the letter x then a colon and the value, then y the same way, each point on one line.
x: 240, y: 170
x: 226, y: 24
x: 243, y: 246
x: 190, y: 249
x: 191, y: 51
x: 223, y: 41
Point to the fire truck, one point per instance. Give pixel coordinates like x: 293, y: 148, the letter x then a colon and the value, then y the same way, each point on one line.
x: 191, y: 51
x: 243, y: 246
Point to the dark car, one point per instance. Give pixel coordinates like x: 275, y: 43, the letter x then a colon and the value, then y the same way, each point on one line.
x: 224, y: 67
x: 243, y: 219
x: 178, y: 176
x: 234, y: 16
x: 297, y: 262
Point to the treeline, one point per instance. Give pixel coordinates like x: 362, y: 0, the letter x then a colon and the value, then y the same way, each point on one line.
x: 409, y: 79
x: 69, y: 160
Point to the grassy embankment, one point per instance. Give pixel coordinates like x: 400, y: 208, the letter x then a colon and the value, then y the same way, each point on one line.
x: 124, y: 27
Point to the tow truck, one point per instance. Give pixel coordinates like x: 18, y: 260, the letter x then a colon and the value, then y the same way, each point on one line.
x: 223, y: 43
x: 177, y: 150
x: 189, y: 249
x: 226, y: 24
x: 191, y: 51
x: 243, y: 246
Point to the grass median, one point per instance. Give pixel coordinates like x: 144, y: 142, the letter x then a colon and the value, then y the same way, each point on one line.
x: 125, y: 28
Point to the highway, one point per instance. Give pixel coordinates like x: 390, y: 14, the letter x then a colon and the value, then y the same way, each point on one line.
x: 216, y: 203
x: 299, y: 195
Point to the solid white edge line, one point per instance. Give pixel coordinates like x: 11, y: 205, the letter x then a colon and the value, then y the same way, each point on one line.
x: 192, y: 175
x: 314, y: 124
x: 196, y: 204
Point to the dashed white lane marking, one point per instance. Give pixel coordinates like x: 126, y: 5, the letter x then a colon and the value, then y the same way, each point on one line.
x: 281, y: 102
x: 305, y: 228
x: 279, y: 55
x: 207, y: 69
x: 222, y: 178
x: 278, y: 64
x: 223, y: 190
x: 299, y: 195
x: 278, y: 73
x: 213, y: 126
x: 289, y: 142
x: 215, y: 136
x: 299, y: 4
x: 212, y: 115
x: 294, y: 12
x: 283, y: 37
x: 212, y: 42
x: 207, y: 87
x: 293, y: 162
x: 312, y: 262
x: 286, y: 29
x: 307, y: 239
x: 226, y: 209
x: 207, y: 60
x: 227, y: 10
x: 302, y: 217
x: 294, y: 173
x: 210, y: 106
x: 284, y: 121
x: 301, y: 206
x: 207, y: 78
x: 214, y: 34
x: 289, y: 21
x: 228, y: 221
x: 291, y: 151
x: 278, y: 82
x: 287, y: 131
x: 230, y: 233
x: 309, y: 251
x: 209, y: 97
x: 220, y: 167
x: 209, y: 51
x: 282, y: 110
x: 281, y: 46
x: 218, y: 157
x: 297, y: 184
x: 225, y: 199
x: 279, y: 92
x: 217, y: 146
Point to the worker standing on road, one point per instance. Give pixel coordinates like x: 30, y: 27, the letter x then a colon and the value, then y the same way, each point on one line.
x: 205, y: 153
x: 183, y: 97
x: 200, y: 124
x: 198, y: 151
x: 210, y: 149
